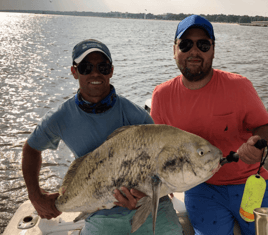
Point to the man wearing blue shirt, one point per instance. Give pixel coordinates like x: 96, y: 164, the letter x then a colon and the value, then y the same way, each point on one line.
x: 83, y: 123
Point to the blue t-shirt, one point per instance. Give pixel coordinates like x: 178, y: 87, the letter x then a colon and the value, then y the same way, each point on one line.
x: 83, y: 132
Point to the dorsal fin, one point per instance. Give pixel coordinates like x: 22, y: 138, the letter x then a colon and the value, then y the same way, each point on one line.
x: 119, y: 130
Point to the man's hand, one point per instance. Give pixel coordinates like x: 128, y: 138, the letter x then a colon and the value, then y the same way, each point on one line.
x: 43, y: 202
x: 45, y: 205
x: 130, y: 200
x: 248, y: 153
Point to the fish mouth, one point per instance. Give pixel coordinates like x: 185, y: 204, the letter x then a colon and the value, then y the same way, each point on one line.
x: 216, y: 168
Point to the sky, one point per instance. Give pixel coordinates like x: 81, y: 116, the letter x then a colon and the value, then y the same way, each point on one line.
x: 227, y: 7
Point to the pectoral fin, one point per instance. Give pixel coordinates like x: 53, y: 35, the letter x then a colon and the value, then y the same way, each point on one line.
x: 156, y: 184
x: 142, y: 213
x: 147, y: 205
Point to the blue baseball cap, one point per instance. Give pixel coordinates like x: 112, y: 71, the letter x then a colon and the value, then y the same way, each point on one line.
x: 82, y: 49
x: 192, y: 22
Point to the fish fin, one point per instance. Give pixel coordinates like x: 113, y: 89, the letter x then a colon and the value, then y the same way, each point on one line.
x: 142, y: 213
x: 70, y: 174
x: 82, y: 215
x: 156, y: 185
x: 118, y: 131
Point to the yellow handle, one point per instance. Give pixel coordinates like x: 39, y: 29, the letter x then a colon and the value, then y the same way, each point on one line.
x: 252, y: 197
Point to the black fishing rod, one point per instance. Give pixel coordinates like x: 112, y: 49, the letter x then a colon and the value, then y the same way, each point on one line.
x: 234, y: 157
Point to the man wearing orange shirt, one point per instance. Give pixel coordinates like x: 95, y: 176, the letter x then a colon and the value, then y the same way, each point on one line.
x: 224, y: 109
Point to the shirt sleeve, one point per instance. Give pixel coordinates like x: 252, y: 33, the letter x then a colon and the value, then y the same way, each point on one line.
x: 140, y: 116
x: 45, y: 136
x: 148, y: 119
x: 134, y: 114
x: 156, y: 108
x: 255, y: 112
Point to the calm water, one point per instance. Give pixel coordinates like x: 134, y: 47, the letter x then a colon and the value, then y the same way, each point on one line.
x: 35, y: 59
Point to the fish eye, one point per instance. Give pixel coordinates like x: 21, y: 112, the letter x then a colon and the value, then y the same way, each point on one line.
x: 201, y: 152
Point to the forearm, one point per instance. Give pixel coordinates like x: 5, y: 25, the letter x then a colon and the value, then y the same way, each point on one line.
x: 31, y: 164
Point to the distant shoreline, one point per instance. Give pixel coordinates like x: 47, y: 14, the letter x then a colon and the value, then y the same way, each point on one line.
x: 217, y: 18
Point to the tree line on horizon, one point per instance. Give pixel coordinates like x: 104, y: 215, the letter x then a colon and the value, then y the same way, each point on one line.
x: 168, y: 16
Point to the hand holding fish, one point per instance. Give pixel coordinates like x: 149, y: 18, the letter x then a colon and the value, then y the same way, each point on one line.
x: 43, y: 202
x: 45, y: 205
x: 248, y: 153
x: 130, y: 200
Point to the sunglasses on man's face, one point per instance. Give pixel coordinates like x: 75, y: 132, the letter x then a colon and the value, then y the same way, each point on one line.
x: 202, y: 44
x: 86, y: 68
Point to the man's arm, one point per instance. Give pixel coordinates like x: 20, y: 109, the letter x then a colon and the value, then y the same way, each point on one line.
x: 247, y: 152
x: 44, y: 203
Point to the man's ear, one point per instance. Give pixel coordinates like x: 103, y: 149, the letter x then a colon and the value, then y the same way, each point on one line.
x: 174, y: 51
x: 74, y: 72
x: 112, y: 71
x: 213, y: 50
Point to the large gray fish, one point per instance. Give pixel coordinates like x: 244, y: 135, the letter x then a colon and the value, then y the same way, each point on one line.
x: 155, y: 159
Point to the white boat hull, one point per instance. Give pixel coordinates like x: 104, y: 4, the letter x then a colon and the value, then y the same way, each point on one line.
x: 63, y: 224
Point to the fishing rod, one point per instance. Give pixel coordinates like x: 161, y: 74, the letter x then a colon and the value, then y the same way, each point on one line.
x: 234, y: 157
x: 255, y: 185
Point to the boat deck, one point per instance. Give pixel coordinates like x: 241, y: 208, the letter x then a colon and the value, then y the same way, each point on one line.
x: 63, y: 224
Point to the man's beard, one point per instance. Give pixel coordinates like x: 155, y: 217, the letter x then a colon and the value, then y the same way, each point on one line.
x: 198, y: 75
x: 194, y: 77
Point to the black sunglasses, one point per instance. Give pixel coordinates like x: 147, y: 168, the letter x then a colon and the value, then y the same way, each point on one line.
x: 86, y: 68
x: 202, y: 44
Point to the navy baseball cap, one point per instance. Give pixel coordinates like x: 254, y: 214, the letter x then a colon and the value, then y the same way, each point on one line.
x: 82, y: 49
x: 195, y: 21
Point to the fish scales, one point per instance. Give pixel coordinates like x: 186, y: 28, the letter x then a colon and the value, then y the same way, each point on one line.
x: 124, y: 170
x: 132, y: 156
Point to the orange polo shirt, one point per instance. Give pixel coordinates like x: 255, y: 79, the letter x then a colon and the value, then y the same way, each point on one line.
x: 220, y: 112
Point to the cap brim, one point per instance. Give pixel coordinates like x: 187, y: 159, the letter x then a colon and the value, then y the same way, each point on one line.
x: 81, y: 57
